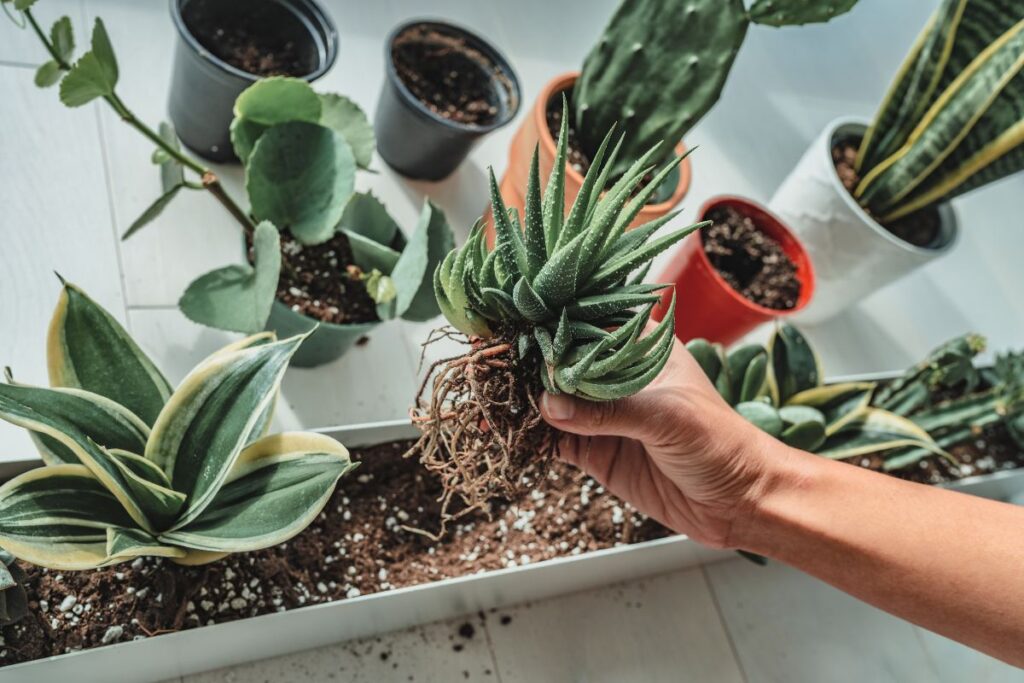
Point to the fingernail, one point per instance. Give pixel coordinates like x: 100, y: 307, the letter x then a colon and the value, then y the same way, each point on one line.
x: 559, y: 407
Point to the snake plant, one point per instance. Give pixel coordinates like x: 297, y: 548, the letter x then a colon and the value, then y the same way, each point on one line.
x: 300, y: 150
x: 554, y: 284
x: 13, y: 598
x: 952, y: 119
x: 660, y: 65
x: 134, y: 467
x: 780, y: 388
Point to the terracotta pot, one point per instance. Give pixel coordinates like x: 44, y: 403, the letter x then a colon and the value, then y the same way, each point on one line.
x: 534, y: 131
x: 706, y: 305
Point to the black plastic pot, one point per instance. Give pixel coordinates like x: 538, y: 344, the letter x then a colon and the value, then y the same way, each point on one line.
x: 419, y: 143
x: 204, y: 86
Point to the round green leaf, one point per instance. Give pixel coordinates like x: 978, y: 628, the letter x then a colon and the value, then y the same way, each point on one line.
x: 300, y: 177
x: 277, y: 100
x: 761, y: 415
x: 47, y: 74
x: 346, y: 117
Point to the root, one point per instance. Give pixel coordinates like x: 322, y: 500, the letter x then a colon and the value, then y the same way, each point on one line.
x: 481, y: 426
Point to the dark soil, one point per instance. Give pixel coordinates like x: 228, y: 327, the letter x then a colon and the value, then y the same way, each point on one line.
x: 236, y: 47
x: 920, y: 228
x: 991, y: 451
x: 753, y: 263
x: 321, y: 282
x: 453, y: 79
x: 358, y: 545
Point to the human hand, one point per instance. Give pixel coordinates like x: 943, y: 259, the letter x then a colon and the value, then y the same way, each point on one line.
x: 675, y: 450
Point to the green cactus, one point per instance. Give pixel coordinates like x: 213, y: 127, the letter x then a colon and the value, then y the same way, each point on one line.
x: 660, y: 65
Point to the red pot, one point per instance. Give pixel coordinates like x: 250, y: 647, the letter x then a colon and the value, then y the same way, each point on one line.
x: 706, y: 305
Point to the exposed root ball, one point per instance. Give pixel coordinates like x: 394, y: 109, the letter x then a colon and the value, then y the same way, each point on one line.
x: 481, y: 424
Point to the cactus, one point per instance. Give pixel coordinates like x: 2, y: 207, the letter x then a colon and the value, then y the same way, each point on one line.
x: 660, y: 65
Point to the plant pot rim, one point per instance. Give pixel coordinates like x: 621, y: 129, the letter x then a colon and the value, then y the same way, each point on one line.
x: 330, y: 41
x: 806, y: 278
x: 285, y: 309
x: 539, y: 113
x: 498, y: 60
x: 948, y: 222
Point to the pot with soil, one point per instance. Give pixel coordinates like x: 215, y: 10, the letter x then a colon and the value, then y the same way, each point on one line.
x: 744, y: 270
x: 224, y: 47
x: 540, y: 130
x: 444, y: 89
x: 854, y: 254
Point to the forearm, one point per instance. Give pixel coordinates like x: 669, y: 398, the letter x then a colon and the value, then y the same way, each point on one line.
x: 949, y: 562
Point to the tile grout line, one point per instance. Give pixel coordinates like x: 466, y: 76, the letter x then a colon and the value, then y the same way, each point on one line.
x: 724, y: 622
x: 17, y: 65
x: 490, y: 649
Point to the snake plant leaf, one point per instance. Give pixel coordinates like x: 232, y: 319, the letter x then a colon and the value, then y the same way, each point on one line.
x: 94, y: 74
x: 87, y: 349
x: 300, y: 176
x: 57, y: 517
x: 747, y: 368
x: 794, y: 415
x: 839, y: 403
x: 430, y: 242
x: 48, y: 74
x: 873, y: 431
x: 212, y: 415
x: 159, y: 503
x: 276, y: 487
x: 91, y: 416
x: 238, y: 297
x: 762, y: 415
x: 797, y: 12
x: 708, y: 357
x: 807, y: 436
x: 278, y: 99
x: 794, y: 364
x: 13, y: 598
x: 127, y: 544
x: 346, y: 117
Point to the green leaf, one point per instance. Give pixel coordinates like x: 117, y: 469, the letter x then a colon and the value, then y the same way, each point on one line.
x: 88, y: 349
x: 299, y: 177
x: 761, y: 415
x: 126, y: 544
x: 370, y: 255
x: 381, y: 288
x: 212, y: 415
x: 94, y: 74
x: 172, y: 173
x: 873, y: 431
x: 839, y: 403
x: 238, y: 297
x: 807, y: 436
x: 278, y: 99
x: 63, y: 38
x: 708, y: 357
x: 430, y: 241
x: 797, y: 12
x: 533, y: 221
x: 244, y: 135
x: 365, y: 215
x: 277, y: 486
x: 740, y: 361
x: 795, y: 367
x: 346, y: 117
x: 23, y: 4
x: 152, y: 211
x: 58, y: 516
x: 47, y: 74
x: 94, y: 417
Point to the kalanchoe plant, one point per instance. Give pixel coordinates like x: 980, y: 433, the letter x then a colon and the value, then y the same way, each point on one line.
x: 951, y: 121
x: 552, y: 306
x: 781, y: 390
x: 301, y: 150
x: 13, y: 599
x: 134, y: 468
x: 661, y: 65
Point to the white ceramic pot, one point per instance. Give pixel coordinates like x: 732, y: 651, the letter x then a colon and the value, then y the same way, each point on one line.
x: 852, y: 254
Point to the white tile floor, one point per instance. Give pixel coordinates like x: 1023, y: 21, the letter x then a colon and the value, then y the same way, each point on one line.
x: 71, y: 182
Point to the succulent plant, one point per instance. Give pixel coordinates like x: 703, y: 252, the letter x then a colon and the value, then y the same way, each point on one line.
x: 951, y: 120
x: 133, y: 468
x: 13, y: 599
x: 661, y: 65
x: 301, y: 150
x: 555, y: 284
x: 781, y: 390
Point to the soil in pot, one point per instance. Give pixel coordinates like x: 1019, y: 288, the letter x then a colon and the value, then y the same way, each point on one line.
x: 449, y: 76
x: 320, y: 281
x: 360, y: 544
x: 257, y: 41
x: 752, y: 262
x: 920, y: 228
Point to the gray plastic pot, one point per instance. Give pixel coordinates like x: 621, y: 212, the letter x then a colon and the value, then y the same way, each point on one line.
x: 329, y: 342
x: 204, y: 87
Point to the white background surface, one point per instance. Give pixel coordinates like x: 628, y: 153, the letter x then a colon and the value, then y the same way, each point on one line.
x: 71, y: 181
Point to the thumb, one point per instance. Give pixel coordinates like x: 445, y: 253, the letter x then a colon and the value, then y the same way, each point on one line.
x: 624, y: 417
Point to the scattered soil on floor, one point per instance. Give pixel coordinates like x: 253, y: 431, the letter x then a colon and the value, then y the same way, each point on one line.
x: 452, y: 78
x: 359, y: 544
x: 321, y: 282
x: 753, y: 263
x: 920, y: 228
